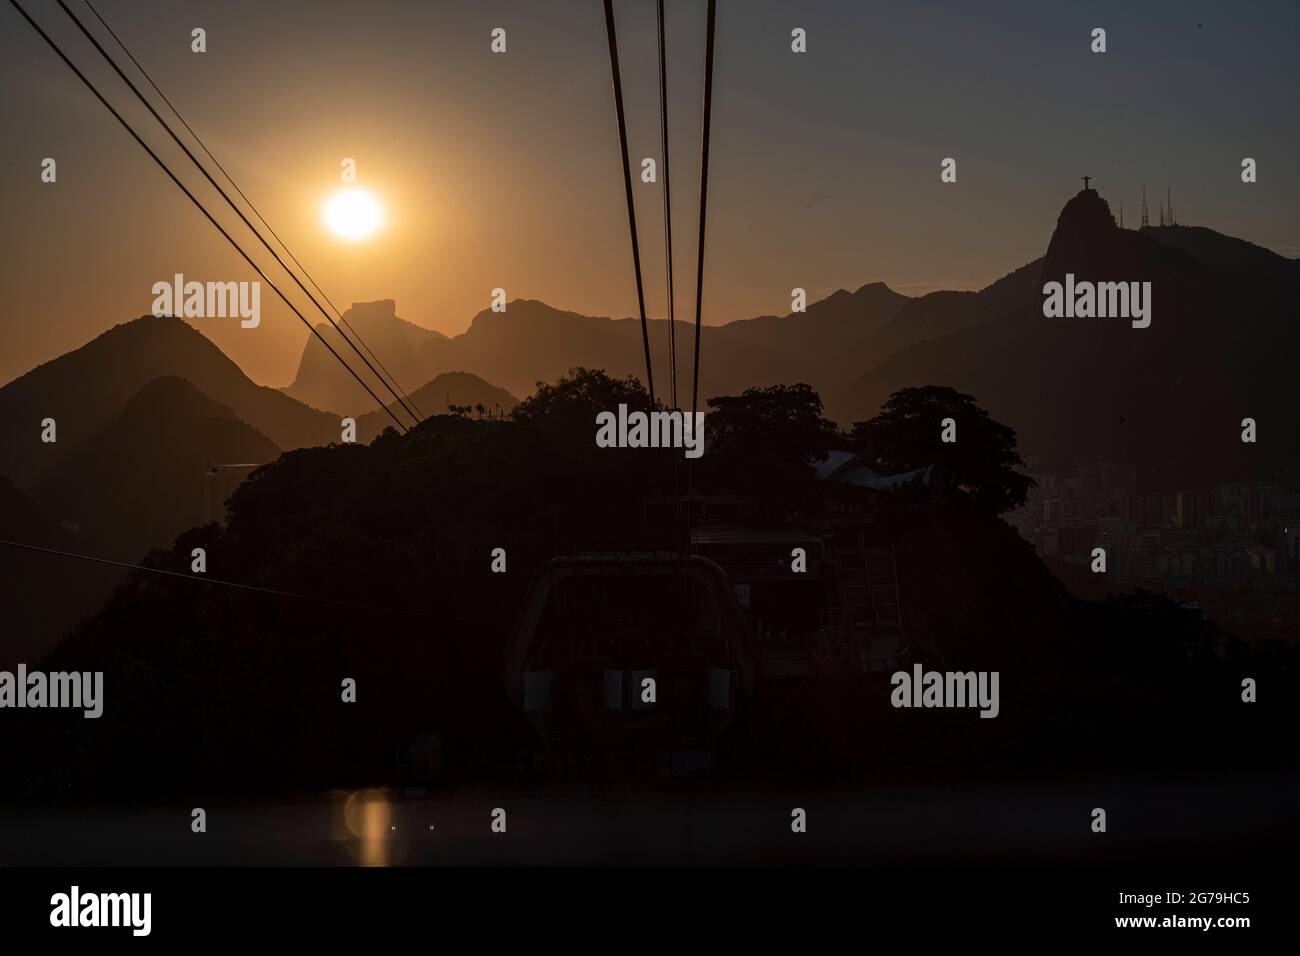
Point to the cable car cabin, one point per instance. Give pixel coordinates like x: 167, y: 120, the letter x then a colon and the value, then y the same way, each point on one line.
x: 639, y: 657
x: 815, y: 601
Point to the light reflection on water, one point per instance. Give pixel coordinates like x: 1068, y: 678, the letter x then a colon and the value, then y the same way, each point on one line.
x: 365, y: 822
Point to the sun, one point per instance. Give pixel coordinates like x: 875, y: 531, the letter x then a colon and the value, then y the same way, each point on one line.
x: 353, y: 214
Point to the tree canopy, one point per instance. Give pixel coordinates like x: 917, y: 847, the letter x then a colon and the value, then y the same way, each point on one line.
x: 980, y: 463
x: 766, y: 436
x: 581, y: 394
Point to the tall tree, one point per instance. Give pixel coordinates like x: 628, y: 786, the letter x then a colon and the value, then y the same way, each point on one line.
x: 581, y: 394
x: 979, y: 463
x: 766, y: 436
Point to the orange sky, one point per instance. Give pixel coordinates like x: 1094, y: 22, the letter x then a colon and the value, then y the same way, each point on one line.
x: 503, y: 170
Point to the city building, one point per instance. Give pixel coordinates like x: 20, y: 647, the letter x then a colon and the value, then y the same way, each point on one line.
x: 1194, y: 508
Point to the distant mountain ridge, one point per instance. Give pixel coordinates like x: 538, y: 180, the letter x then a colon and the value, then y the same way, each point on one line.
x: 86, y: 389
x: 433, y: 398
x: 391, y: 345
x: 828, y: 345
x: 531, y: 342
x: 138, y: 482
x: 1169, y: 398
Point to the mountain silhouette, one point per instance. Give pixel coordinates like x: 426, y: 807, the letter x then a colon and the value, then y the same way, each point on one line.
x: 87, y: 388
x: 1227, y: 253
x: 830, y: 344
x: 138, y: 482
x: 1169, y: 398
x: 532, y: 342
x: 323, y: 383
x: 450, y: 388
x: 937, y: 314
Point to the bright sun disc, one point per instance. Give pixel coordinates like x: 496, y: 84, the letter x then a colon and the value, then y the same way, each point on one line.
x: 353, y: 214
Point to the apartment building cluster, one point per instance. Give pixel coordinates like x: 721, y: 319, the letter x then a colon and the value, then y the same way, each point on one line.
x: 1232, y: 536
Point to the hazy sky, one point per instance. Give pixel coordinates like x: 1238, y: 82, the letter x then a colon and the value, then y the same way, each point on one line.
x: 502, y: 170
